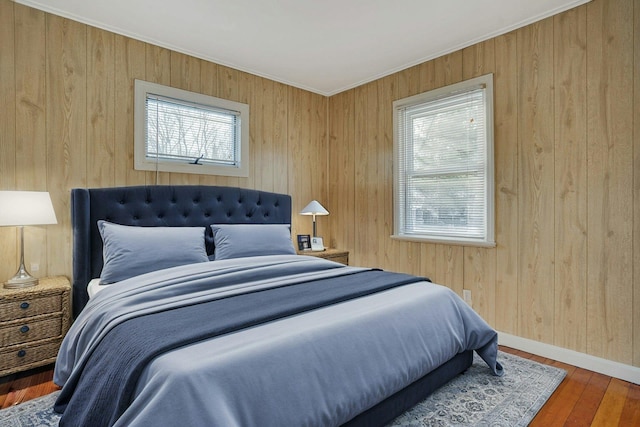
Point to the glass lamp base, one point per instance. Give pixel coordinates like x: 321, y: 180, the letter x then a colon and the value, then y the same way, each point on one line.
x: 22, y: 279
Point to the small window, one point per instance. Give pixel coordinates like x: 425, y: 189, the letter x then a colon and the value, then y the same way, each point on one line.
x: 443, y: 164
x: 187, y: 132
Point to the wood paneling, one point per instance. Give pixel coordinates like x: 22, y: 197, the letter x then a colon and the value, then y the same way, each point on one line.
x: 610, y: 179
x: 130, y: 64
x: 30, y: 112
x: 570, y: 178
x: 566, y: 180
x: 66, y: 129
x: 307, y: 157
x: 480, y: 263
x: 366, y: 177
x: 8, y: 95
x: 67, y: 121
x: 536, y: 181
x: 636, y: 189
x: 566, y: 266
x: 8, y: 240
x: 101, y: 91
x: 342, y: 170
x: 506, y: 182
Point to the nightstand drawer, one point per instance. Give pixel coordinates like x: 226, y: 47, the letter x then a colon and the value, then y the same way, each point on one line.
x: 32, y: 329
x: 31, y: 306
x: 25, y: 357
x: 33, y: 321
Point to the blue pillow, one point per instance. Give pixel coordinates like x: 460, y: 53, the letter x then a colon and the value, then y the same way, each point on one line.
x: 243, y: 240
x: 129, y: 251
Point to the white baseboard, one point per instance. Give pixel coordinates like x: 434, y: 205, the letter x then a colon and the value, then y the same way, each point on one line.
x: 581, y: 360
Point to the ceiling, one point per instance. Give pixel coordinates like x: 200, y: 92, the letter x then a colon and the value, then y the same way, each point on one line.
x: 324, y: 46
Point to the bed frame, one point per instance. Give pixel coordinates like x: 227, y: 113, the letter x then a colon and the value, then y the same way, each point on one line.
x: 199, y: 205
x: 161, y: 206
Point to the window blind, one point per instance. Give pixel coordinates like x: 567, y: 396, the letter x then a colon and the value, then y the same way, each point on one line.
x: 442, y: 177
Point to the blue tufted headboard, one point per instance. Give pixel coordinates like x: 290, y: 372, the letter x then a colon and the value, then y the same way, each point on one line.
x: 161, y: 205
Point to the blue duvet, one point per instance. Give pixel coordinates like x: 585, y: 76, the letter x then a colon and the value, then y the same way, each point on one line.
x: 263, y: 341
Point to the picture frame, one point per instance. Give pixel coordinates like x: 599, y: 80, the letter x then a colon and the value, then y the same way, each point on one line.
x: 317, y: 244
x: 304, y: 242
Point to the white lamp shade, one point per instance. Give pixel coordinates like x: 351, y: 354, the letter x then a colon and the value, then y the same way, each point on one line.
x: 314, y: 208
x: 26, y: 208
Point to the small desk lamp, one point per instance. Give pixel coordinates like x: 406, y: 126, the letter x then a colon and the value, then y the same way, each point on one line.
x: 20, y: 208
x: 314, y: 208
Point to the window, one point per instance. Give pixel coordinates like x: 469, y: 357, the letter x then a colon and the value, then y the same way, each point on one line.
x: 187, y: 132
x: 443, y: 164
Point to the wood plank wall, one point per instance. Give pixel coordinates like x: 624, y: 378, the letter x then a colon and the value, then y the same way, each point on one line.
x: 566, y: 268
x: 67, y: 121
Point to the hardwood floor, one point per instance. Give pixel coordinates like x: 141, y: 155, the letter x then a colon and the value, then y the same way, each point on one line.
x: 584, y: 398
x: 23, y: 386
x: 587, y: 398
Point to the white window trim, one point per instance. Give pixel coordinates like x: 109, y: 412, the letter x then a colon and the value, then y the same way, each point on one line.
x: 142, y: 162
x: 488, y: 240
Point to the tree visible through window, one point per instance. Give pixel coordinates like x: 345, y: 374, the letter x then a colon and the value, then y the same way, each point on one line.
x: 444, y: 164
x: 180, y: 131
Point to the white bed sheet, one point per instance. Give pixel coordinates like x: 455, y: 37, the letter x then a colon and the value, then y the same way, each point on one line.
x: 94, y: 287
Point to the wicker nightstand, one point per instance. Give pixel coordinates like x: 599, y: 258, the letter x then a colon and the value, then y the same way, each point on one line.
x: 33, y: 322
x: 337, y: 255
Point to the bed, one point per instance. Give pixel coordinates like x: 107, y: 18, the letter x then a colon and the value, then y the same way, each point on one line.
x: 237, y: 329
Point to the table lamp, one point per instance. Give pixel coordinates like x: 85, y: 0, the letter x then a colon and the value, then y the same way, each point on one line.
x: 20, y: 208
x: 314, y: 208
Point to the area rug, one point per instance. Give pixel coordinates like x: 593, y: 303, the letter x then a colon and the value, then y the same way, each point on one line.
x: 475, y: 398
